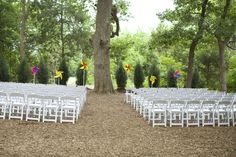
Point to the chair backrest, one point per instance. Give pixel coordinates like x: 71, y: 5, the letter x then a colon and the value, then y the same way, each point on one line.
x: 68, y: 100
x: 50, y: 100
x: 177, y: 104
x: 17, y: 98
x: 34, y: 99
x: 3, y: 97
x: 160, y: 104
x: 194, y: 104
x: 208, y: 104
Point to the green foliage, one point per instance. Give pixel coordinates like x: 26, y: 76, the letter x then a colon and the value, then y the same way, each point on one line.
x: 24, y: 72
x: 43, y: 75
x: 65, y: 76
x: 196, y: 78
x: 4, y: 73
x: 138, y: 76
x: 171, y: 80
x: 121, y: 77
x: 80, y: 76
x: 154, y: 72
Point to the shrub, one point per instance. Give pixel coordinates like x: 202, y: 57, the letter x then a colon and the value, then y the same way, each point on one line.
x: 43, y: 75
x: 171, y: 80
x: 195, y: 80
x: 4, y: 73
x: 24, y: 72
x: 138, y: 76
x: 121, y: 77
x: 79, y: 76
x: 65, y: 75
x: 154, y: 72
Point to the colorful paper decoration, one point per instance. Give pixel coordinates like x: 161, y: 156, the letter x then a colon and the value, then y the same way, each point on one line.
x: 35, y: 70
x: 84, y: 65
x: 177, y: 74
x: 153, y: 79
x: 59, y: 74
x: 127, y: 68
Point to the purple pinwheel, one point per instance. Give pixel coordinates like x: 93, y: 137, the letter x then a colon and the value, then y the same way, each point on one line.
x: 35, y: 70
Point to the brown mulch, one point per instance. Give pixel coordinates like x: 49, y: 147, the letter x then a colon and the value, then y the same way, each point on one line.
x: 108, y: 127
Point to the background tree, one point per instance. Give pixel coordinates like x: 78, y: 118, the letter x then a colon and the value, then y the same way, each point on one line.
x: 171, y: 80
x: 80, y: 81
x: 138, y: 76
x: 24, y: 72
x: 121, y: 77
x: 43, y: 75
x: 4, y: 72
x: 195, y: 80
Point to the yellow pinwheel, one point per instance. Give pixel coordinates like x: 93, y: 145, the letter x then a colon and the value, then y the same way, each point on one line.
x: 84, y: 65
x: 58, y: 74
x: 127, y: 68
x: 153, y: 79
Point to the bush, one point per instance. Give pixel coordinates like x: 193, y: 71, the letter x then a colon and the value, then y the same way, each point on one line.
x: 171, y: 80
x: 138, y: 76
x: 121, y: 77
x: 154, y: 72
x: 4, y: 74
x: 24, y: 72
x: 79, y: 76
x: 195, y: 80
x: 65, y: 75
x: 43, y: 75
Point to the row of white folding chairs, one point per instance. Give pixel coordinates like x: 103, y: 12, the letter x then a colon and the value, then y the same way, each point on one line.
x: 159, y: 112
x: 35, y: 107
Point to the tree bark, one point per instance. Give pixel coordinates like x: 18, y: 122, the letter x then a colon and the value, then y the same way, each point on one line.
x: 194, y: 44
x: 222, y: 41
x: 62, y: 30
x: 23, y: 18
x: 101, y: 43
x: 222, y: 45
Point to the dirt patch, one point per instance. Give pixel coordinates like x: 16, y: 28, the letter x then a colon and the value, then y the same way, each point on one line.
x: 108, y: 127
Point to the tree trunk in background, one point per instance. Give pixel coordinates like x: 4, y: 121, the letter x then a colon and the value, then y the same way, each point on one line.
x: 23, y: 19
x: 62, y: 30
x: 194, y: 44
x: 222, y: 45
x: 101, y: 43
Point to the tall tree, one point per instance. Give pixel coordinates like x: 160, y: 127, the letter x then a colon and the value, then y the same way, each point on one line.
x: 194, y: 43
x: 101, y: 45
x: 23, y: 20
x: 222, y: 39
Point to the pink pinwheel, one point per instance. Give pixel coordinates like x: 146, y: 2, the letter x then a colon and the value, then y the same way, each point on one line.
x: 35, y: 70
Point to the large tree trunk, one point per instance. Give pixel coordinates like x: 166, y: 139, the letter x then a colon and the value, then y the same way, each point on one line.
x: 194, y: 44
x: 101, y: 43
x: 222, y: 45
x: 23, y: 19
x: 62, y: 30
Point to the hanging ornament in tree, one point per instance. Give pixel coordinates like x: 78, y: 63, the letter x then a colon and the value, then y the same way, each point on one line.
x: 153, y: 80
x: 127, y: 68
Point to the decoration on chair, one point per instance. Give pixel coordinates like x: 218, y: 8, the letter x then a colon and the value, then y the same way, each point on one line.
x: 177, y: 74
x: 127, y: 68
x: 59, y: 75
x: 153, y: 80
x: 84, y: 66
x: 35, y: 70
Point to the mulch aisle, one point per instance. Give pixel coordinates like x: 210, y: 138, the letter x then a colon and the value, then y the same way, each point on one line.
x: 108, y: 127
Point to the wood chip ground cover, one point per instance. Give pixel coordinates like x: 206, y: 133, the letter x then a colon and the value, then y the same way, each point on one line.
x: 108, y: 127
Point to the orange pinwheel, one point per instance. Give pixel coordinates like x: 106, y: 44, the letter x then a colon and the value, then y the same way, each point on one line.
x: 127, y: 68
x: 84, y: 65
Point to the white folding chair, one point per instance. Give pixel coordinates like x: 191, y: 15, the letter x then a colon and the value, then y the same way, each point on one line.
x: 223, y: 112
x: 158, y: 113
x: 176, y: 111
x: 3, y: 104
x: 68, y: 109
x: 17, y: 105
x: 34, y: 107
x: 192, y: 113
x: 233, y: 112
x: 208, y: 112
x: 50, y: 108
